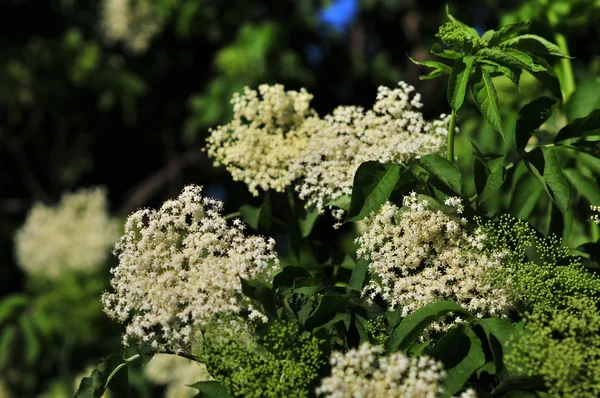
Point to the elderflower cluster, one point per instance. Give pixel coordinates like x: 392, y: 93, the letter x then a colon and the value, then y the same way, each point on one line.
x: 393, y: 131
x: 268, y: 130
x: 596, y: 217
x: 133, y: 22
x: 365, y: 373
x: 180, y: 267
x: 74, y: 236
x: 276, y: 139
x: 177, y: 373
x: 421, y: 256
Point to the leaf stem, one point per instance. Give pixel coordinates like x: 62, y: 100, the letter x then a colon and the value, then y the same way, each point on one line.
x: 232, y: 215
x: 567, y: 77
x: 451, y: 132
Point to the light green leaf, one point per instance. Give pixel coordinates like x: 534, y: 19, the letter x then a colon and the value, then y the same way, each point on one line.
x: 535, y: 44
x: 373, y: 184
x: 486, y: 98
x: 506, y: 33
x: 458, y: 81
x: 584, y: 100
x: 513, y: 73
x: 493, y: 183
x: 437, y: 50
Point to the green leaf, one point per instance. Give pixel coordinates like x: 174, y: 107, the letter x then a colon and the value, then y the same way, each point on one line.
x: 525, y: 59
x: 589, y: 147
x: 258, y: 217
x: 373, y: 185
x: 11, y: 305
x: 471, y: 31
x: 413, y: 325
x: 582, y: 127
x: 493, y: 183
x: 211, y: 389
x: 434, y: 74
x: 510, y: 58
x: 288, y: 275
x: 328, y: 307
x: 586, y: 186
x: 343, y: 202
x: 444, y: 170
x: 259, y: 291
x: 512, y: 72
x: 307, y: 221
x: 520, y: 383
x: 95, y: 385
x: 547, y: 170
x: 584, y: 99
x: 462, y: 354
x: 8, y: 337
x: 458, y: 81
x: 531, y: 117
x: 32, y: 344
x: 547, y: 77
x: 437, y: 50
x: 359, y: 274
x: 507, y: 32
x: 535, y: 44
x: 486, y: 98
x: 433, y: 64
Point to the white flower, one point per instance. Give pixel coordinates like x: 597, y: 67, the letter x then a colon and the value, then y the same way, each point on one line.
x: 421, y: 256
x: 134, y: 22
x: 394, y: 131
x: 179, y: 268
x: 269, y: 129
x: 74, y: 236
x: 365, y: 373
x: 596, y: 217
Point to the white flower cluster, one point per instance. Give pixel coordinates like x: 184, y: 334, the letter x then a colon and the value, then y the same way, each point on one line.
x: 177, y: 373
x: 596, y: 217
x: 277, y: 139
x: 180, y: 267
x: 74, y: 236
x: 133, y: 22
x: 365, y: 373
x: 266, y: 133
x: 392, y: 132
x: 420, y: 256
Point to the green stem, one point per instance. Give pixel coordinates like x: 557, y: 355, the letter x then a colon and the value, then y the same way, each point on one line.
x: 567, y: 77
x: 232, y: 215
x: 451, y: 131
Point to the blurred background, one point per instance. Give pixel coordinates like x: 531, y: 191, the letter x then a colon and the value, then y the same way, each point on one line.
x: 121, y: 94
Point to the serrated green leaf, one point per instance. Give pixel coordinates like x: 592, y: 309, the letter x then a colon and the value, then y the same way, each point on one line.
x: 458, y: 81
x: 506, y: 33
x: 433, y: 64
x: 547, y: 170
x: 413, y: 325
x: 493, y: 183
x: 486, y: 98
x: 584, y: 99
x: 513, y: 73
x: 434, y: 74
x: 211, y: 389
x: 437, y: 50
x: 535, y: 44
x: 444, y: 170
x: 373, y: 185
x: 582, y: 127
x: 525, y: 59
x: 531, y: 117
